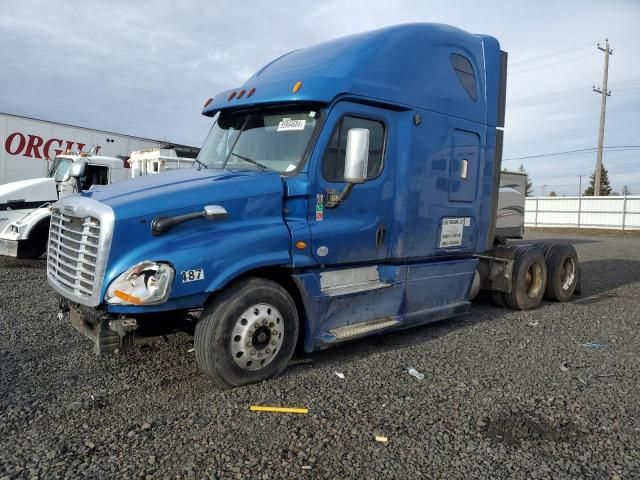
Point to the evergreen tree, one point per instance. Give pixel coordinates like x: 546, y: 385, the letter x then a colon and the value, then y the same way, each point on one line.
x: 529, y: 188
x: 605, y: 186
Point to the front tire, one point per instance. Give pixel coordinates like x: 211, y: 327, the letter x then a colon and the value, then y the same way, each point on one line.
x: 247, y: 334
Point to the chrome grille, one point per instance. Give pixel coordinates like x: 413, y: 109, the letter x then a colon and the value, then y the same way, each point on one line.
x: 73, y: 252
x: 79, y: 241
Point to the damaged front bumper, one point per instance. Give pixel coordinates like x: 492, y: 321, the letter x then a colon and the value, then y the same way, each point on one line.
x: 109, y: 333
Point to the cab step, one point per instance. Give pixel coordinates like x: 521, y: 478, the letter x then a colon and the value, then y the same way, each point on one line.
x: 350, y: 280
x: 363, y: 328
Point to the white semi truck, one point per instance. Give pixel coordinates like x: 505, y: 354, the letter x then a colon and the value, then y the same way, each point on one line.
x: 29, y: 146
x: 24, y: 205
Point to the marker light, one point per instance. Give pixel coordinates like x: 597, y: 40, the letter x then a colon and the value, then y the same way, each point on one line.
x: 231, y: 96
x: 127, y: 298
x: 250, y: 92
x: 206, y: 104
x: 241, y: 94
x: 296, y: 87
x: 301, y: 245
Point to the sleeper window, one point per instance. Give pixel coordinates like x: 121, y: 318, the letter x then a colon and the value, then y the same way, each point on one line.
x: 333, y: 162
x: 464, y: 71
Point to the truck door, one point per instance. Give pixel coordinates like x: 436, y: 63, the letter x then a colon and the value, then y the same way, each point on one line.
x: 356, y: 230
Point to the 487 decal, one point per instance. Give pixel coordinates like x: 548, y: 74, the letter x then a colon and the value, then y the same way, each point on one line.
x: 192, y: 275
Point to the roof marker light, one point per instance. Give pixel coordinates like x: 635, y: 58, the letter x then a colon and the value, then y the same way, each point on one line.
x: 206, y: 104
x: 296, y: 87
x: 241, y: 94
x: 231, y: 96
x: 251, y: 91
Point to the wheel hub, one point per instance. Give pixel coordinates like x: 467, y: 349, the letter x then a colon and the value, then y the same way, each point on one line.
x: 534, y: 280
x: 257, y: 336
x: 567, y: 273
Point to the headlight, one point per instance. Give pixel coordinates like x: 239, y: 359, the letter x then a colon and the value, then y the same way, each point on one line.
x: 147, y: 283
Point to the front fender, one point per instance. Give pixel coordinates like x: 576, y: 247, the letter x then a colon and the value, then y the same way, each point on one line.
x: 27, y: 224
x: 253, y: 236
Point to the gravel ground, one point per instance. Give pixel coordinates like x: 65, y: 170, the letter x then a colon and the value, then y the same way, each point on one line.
x: 506, y: 394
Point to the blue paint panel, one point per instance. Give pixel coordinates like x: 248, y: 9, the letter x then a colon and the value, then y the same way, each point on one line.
x: 323, y: 313
x: 254, y: 235
x: 432, y: 286
x: 349, y: 231
x: 418, y: 294
x: 416, y: 71
x: 466, y: 146
x: 422, y: 187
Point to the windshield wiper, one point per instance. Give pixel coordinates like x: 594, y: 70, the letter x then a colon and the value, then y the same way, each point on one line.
x: 250, y: 160
x: 201, y: 164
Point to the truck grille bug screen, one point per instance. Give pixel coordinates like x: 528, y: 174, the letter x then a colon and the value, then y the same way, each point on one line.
x: 73, y: 253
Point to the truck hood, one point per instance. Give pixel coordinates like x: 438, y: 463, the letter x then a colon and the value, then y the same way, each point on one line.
x: 29, y: 193
x: 181, y: 189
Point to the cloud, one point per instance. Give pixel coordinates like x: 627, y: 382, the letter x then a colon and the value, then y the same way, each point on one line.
x: 145, y: 68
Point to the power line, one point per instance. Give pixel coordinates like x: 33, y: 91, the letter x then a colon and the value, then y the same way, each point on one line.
x: 568, y: 94
x: 613, y: 148
x: 552, y: 64
x: 552, y: 54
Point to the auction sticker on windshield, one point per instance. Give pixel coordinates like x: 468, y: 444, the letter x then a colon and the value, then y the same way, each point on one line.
x: 287, y: 125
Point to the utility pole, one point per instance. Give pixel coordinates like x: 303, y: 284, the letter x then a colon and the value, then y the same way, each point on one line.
x: 580, y: 185
x: 604, y: 92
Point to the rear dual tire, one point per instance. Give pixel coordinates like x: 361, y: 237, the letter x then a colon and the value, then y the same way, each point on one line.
x: 563, y: 275
x: 529, y: 278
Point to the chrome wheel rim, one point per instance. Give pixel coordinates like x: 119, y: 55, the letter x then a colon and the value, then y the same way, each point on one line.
x: 257, y: 336
x: 568, y: 273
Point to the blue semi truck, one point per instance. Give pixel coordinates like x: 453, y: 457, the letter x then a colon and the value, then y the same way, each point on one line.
x: 345, y: 189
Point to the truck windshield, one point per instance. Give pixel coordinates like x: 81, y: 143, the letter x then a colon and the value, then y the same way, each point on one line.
x: 60, y: 168
x: 269, y: 140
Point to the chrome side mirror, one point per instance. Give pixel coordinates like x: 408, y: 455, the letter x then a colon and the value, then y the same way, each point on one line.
x: 357, y: 156
x: 77, y: 169
x: 356, y: 161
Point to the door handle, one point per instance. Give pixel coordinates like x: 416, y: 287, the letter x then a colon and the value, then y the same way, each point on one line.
x: 381, y: 233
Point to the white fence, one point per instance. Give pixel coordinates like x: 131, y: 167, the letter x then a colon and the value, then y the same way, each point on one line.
x: 620, y: 213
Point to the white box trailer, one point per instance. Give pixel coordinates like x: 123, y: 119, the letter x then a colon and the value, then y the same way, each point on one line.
x: 29, y: 145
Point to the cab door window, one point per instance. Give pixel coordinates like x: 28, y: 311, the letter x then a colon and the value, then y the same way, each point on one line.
x: 94, y: 175
x: 333, y: 161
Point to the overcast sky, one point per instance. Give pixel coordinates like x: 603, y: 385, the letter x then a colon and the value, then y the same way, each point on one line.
x: 145, y: 68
